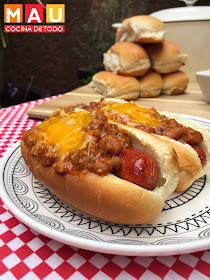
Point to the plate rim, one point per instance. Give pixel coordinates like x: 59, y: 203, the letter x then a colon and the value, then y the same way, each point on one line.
x: 93, y: 245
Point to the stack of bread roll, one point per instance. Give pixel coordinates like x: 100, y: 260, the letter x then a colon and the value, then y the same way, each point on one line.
x: 141, y: 63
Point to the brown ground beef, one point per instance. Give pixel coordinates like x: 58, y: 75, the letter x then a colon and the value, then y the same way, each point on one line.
x: 101, y: 155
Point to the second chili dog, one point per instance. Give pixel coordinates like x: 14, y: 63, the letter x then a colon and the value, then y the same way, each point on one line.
x: 113, y: 172
x: 190, y: 140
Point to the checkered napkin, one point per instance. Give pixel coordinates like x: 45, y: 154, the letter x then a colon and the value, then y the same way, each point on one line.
x: 28, y: 255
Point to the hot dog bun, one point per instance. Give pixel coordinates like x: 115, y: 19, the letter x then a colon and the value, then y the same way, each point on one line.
x: 127, y: 59
x: 141, y: 29
x: 113, y: 85
x: 109, y: 197
x: 190, y: 167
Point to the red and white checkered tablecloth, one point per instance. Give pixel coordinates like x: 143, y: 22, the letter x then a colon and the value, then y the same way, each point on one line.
x: 28, y: 255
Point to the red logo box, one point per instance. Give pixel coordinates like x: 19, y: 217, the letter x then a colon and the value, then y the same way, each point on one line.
x: 34, y: 13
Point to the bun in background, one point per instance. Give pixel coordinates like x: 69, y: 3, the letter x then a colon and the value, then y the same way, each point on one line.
x: 166, y: 57
x: 174, y: 83
x: 150, y: 84
x: 141, y: 29
x: 113, y: 85
x: 127, y: 59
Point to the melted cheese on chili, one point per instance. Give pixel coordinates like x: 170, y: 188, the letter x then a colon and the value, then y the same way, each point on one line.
x: 131, y: 113
x: 64, y: 133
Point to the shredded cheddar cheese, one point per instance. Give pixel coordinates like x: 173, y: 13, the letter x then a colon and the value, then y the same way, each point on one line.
x: 64, y: 132
x: 131, y: 113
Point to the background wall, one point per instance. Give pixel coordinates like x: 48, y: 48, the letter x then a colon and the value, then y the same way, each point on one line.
x: 51, y: 61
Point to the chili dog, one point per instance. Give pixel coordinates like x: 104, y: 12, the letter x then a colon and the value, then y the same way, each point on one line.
x: 189, y: 139
x: 111, y: 171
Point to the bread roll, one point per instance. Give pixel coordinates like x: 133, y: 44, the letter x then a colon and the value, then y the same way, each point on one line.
x: 166, y: 57
x: 150, y: 84
x: 113, y: 85
x: 174, y: 83
x: 141, y: 29
x: 127, y: 59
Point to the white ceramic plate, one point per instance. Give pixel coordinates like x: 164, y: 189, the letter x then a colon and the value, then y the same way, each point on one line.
x: 182, y: 227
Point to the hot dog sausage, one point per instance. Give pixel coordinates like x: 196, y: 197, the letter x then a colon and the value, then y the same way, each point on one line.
x: 201, y: 154
x: 138, y: 168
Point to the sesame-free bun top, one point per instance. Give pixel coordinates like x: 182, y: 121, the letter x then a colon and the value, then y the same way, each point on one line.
x: 113, y: 85
x: 166, y: 57
x: 150, y: 84
x: 141, y: 29
x: 174, y: 83
x: 127, y: 59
